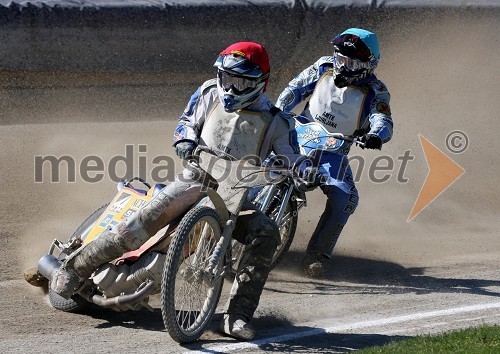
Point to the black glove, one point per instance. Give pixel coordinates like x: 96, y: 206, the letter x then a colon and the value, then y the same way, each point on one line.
x: 371, y: 141
x: 184, y: 149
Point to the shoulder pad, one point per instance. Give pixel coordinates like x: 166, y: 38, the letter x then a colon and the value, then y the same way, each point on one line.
x: 324, y: 64
x: 208, y: 85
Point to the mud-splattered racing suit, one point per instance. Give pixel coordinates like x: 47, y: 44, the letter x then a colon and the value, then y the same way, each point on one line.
x: 253, y: 131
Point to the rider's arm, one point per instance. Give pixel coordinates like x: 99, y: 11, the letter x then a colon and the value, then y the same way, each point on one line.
x: 192, y: 119
x: 285, y: 142
x: 380, y: 118
x: 302, y: 86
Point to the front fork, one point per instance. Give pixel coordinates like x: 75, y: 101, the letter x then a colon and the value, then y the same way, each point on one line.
x: 215, y: 270
x: 284, y: 203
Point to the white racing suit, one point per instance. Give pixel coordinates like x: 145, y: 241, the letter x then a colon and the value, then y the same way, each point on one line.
x: 352, y: 110
x: 254, y: 131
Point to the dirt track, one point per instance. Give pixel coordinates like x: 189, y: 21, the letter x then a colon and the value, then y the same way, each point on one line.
x: 448, y: 257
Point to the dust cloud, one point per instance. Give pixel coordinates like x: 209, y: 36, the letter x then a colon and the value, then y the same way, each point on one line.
x: 443, y: 76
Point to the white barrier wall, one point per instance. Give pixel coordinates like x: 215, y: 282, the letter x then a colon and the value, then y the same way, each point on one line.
x: 158, y: 52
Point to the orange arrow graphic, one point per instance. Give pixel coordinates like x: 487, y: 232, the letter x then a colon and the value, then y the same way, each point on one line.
x: 443, y: 172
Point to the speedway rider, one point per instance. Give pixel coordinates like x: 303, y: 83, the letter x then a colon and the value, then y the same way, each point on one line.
x: 231, y: 113
x: 345, y: 97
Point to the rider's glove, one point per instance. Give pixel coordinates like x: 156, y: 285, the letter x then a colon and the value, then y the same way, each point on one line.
x: 184, y: 149
x: 371, y: 141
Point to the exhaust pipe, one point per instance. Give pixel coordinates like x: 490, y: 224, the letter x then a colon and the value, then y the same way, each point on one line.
x: 121, y: 300
x: 47, y: 265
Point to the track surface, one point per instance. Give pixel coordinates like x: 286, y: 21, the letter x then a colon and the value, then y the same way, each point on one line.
x: 389, y: 279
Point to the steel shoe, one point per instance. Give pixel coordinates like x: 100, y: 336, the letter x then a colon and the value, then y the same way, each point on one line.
x: 313, y: 265
x: 64, y: 282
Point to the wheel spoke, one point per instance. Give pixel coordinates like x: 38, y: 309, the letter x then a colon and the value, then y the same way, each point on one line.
x: 192, y: 293
x: 188, y: 302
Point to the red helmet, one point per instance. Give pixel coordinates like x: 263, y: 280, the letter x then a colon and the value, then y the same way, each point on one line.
x: 255, y: 53
x: 243, y: 74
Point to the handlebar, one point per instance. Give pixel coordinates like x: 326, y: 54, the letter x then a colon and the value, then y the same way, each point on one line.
x: 216, y: 152
x: 296, y: 172
x: 124, y: 183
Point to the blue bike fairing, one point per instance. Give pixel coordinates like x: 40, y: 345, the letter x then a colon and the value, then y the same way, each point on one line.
x: 312, y: 135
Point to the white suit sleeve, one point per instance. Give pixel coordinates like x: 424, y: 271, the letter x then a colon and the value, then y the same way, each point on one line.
x: 192, y: 119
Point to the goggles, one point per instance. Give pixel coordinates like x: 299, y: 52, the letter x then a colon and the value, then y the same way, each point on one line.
x: 239, y: 84
x: 350, y: 64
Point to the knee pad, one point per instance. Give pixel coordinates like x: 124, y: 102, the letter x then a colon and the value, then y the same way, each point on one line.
x: 253, y: 227
x: 272, y: 229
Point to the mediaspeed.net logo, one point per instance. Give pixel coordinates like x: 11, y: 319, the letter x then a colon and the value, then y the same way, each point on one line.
x: 135, y: 161
x: 443, y: 171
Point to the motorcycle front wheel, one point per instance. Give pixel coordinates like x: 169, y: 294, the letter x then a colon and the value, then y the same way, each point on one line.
x: 189, y: 296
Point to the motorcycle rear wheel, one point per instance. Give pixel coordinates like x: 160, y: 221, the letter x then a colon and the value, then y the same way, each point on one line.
x: 188, y: 301
x: 75, y: 303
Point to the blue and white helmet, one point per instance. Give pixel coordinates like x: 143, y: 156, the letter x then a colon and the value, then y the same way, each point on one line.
x: 355, y: 57
x: 242, y: 76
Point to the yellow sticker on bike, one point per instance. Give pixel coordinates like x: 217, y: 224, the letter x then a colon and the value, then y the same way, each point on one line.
x: 125, y: 204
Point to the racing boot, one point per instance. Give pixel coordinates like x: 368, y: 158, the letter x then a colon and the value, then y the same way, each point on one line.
x: 108, y: 246
x: 313, y: 265
x: 237, y: 326
x: 260, y: 235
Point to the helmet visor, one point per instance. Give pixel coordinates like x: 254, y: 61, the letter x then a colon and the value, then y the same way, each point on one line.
x: 352, y: 46
x: 238, y: 65
x: 239, y: 84
x: 349, y: 64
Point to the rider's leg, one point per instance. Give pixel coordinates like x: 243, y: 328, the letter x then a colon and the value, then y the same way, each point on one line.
x: 342, y: 200
x: 171, y: 202
x: 261, y: 237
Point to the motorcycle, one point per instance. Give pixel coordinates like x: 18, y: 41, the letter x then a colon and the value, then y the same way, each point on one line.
x: 125, y: 283
x: 200, y: 255
x: 191, y: 252
x: 200, y: 252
